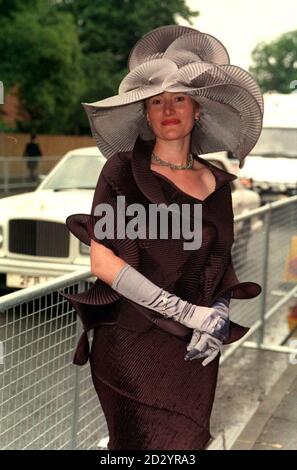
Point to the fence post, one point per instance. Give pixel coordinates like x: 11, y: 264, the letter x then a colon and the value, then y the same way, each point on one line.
x: 76, y: 397
x: 6, y: 175
x: 264, y: 276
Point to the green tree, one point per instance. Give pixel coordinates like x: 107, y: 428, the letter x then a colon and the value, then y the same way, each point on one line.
x: 275, y: 63
x: 9, y: 7
x: 59, y: 53
x: 41, y: 63
x: 107, y: 31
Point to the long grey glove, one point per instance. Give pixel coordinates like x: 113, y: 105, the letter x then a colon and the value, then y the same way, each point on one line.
x: 203, y: 344
x: 134, y: 286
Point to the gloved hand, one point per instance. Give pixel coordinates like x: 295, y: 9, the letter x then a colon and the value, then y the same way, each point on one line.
x: 208, y: 345
x: 201, y: 345
x: 134, y: 286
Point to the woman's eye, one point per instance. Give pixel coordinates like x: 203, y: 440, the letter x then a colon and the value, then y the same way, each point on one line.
x: 180, y: 98
x: 156, y: 101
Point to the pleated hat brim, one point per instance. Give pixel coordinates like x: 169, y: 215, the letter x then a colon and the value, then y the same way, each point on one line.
x: 182, y: 44
x: 231, y: 101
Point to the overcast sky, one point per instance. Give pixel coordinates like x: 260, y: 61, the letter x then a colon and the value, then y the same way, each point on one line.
x: 241, y: 24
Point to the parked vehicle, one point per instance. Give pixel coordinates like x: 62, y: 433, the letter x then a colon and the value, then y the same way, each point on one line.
x: 35, y: 244
x: 272, y: 165
x: 244, y: 200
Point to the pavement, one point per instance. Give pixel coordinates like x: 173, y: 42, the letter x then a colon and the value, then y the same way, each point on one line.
x: 255, y: 405
x: 274, y: 425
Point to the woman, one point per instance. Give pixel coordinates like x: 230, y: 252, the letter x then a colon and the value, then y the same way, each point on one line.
x: 160, y: 311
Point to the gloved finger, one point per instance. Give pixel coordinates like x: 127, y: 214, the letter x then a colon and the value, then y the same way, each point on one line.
x: 191, y: 354
x: 211, y: 356
x: 201, y: 343
x: 194, y: 340
x: 200, y: 346
x: 194, y: 354
x: 195, y: 345
x: 192, y: 344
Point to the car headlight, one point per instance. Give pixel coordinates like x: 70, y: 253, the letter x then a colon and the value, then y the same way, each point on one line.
x: 84, y: 249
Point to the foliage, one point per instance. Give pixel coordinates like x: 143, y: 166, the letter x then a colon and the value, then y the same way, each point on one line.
x: 59, y: 53
x: 41, y: 63
x: 108, y: 29
x: 276, y: 63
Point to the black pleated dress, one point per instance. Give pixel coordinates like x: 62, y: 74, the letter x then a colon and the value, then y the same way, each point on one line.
x: 151, y: 397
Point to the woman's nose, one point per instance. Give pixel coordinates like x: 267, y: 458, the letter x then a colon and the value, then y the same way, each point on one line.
x: 168, y: 107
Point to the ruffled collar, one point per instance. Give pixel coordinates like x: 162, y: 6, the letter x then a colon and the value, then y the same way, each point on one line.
x: 150, y: 184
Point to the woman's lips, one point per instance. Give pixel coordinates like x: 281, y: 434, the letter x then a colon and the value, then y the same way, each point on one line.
x: 170, y: 121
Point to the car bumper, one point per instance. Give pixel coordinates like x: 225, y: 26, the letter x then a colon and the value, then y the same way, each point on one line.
x: 39, y: 268
x: 18, y: 274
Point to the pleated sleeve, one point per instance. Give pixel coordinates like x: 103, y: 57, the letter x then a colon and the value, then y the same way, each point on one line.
x: 95, y: 306
x: 239, y: 290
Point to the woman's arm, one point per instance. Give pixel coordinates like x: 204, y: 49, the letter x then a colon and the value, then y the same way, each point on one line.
x: 130, y: 283
x: 104, y: 263
x: 106, y: 266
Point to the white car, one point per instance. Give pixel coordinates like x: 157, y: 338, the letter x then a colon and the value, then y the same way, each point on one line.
x: 243, y: 199
x: 273, y: 177
x: 272, y: 165
x: 35, y: 244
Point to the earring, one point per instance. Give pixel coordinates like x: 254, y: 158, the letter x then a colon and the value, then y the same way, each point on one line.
x: 197, y: 121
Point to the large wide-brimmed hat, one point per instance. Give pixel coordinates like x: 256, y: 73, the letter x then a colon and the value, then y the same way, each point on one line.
x: 175, y: 59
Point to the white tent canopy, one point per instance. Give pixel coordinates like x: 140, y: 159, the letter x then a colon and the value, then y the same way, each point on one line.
x: 279, y: 133
x: 280, y: 110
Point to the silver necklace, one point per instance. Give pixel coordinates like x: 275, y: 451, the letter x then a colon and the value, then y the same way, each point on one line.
x: 186, y: 166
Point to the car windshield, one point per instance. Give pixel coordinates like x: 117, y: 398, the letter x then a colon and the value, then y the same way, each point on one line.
x: 276, y: 142
x: 77, y: 172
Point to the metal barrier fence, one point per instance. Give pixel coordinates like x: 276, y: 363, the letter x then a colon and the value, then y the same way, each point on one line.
x: 266, y: 261
x: 48, y: 403
x: 45, y: 401
x: 16, y: 175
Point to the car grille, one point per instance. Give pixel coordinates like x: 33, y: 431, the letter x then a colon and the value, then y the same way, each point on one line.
x: 38, y: 238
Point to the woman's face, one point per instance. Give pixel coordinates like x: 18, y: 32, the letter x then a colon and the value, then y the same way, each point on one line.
x: 171, y: 115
